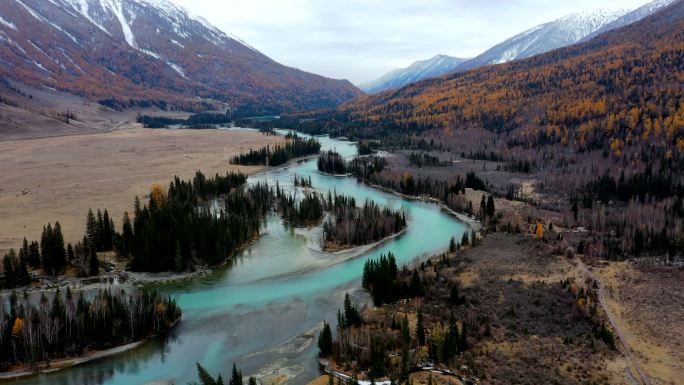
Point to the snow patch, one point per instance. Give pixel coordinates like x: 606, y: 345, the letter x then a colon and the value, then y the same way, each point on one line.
x: 177, y: 68
x: 8, y: 23
x: 46, y: 21
x: 82, y: 7
x: 116, y: 7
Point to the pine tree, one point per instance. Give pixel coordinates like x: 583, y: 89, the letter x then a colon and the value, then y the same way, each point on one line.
x: 99, y: 244
x: 91, y: 229
x: 46, y: 249
x: 93, y: 263
x: 204, y: 376
x: 9, y: 266
x: 59, y: 252
x: 34, y: 255
x: 452, y: 245
x: 236, y: 377
x: 483, y: 207
x: 464, y: 240
x: 126, y: 236
x: 490, y: 207
x: 107, y: 232
x: 325, y: 341
x: 463, y: 340
x: 420, y: 329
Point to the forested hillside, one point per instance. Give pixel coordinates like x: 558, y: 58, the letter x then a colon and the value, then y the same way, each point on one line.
x: 600, y: 125
x: 145, y: 53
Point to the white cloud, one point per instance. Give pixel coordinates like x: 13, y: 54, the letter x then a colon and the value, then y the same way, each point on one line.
x: 362, y: 39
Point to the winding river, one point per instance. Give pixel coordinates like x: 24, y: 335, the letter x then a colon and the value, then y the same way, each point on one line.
x: 262, y: 312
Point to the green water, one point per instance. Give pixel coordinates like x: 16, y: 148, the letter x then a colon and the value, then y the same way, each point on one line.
x: 276, y: 290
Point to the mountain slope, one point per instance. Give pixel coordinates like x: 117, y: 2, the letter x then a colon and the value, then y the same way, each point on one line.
x: 619, y: 94
x: 149, y: 51
x: 543, y: 38
x: 435, y: 66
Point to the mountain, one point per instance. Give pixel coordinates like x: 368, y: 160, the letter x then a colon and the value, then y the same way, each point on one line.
x: 436, y: 66
x: 565, y: 31
x: 631, y: 17
x: 149, y: 52
x: 620, y: 95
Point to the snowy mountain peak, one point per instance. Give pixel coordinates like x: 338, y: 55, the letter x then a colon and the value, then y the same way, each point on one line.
x: 147, y: 49
x: 567, y: 30
x: 581, y: 24
x: 435, y: 66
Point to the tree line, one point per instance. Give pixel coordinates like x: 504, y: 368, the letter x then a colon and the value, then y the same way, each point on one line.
x: 278, y: 154
x: 386, y: 283
x: 68, y: 324
x: 198, y: 120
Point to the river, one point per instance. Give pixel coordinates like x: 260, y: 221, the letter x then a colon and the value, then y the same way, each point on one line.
x: 260, y: 311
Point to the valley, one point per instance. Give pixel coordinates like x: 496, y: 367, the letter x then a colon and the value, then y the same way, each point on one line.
x: 178, y: 207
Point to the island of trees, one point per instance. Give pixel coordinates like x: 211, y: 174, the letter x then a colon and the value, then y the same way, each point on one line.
x: 351, y: 225
x: 347, y: 225
x: 331, y: 162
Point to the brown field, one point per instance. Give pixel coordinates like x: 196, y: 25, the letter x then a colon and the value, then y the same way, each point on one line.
x: 59, y: 179
x: 648, y: 306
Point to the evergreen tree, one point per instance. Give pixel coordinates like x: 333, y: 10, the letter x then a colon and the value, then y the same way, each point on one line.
x: 107, y: 232
x: 464, y: 240
x: 351, y: 315
x: 490, y: 207
x: 93, y: 263
x: 92, y: 232
x: 405, y: 344
x: 99, y: 237
x: 325, y: 341
x: 59, y: 249
x: 70, y: 252
x: 463, y: 340
x: 204, y: 376
x: 452, y: 245
x: 9, y: 264
x: 236, y: 377
x: 420, y: 329
x: 34, y: 255
x: 126, y: 236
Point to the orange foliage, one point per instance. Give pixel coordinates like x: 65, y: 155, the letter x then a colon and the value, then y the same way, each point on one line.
x: 157, y: 194
x: 17, y: 327
x: 539, y: 231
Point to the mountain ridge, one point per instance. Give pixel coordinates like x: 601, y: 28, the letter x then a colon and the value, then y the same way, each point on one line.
x: 419, y: 70
x: 150, y: 51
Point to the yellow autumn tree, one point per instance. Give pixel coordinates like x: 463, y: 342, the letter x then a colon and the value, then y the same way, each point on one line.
x: 157, y: 194
x: 17, y: 327
x: 539, y: 231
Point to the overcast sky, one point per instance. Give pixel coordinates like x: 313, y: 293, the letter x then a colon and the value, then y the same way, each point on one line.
x: 360, y: 40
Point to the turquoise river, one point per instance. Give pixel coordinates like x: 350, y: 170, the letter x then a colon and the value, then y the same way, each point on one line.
x: 263, y: 311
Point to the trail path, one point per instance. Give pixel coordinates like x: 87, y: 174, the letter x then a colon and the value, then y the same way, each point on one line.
x: 626, y: 350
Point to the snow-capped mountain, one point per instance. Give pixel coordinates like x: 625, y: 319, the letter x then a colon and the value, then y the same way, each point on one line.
x: 631, y: 17
x: 436, y: 66
x: 565, y: 31
x: 148, y: 50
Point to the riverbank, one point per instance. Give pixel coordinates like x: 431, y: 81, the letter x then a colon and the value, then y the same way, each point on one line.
x: 44, y: 367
